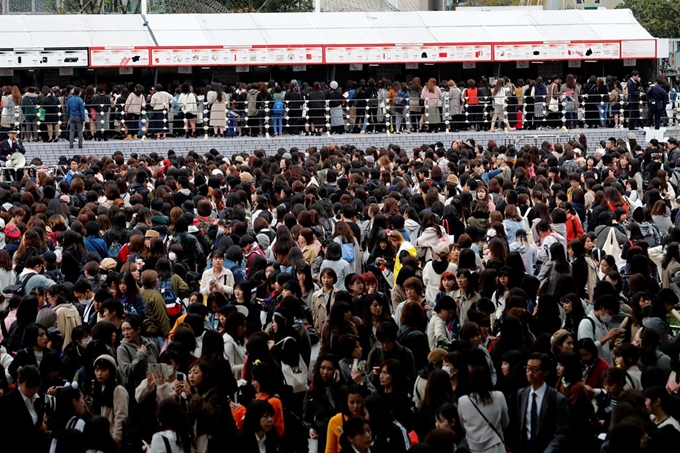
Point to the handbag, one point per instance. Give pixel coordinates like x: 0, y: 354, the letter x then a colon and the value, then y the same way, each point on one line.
x: 611, y: 245
x: 41, y: 114
x: 489, y: 423
x: 554, y: 105
x: 296, y: 377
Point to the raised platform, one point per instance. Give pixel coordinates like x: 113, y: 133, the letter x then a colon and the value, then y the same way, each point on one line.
x: 50, y: 152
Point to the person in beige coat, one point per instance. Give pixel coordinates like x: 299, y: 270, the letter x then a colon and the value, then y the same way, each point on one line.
x: 323, y: 299
x: 670, y: 265
x: 109, y: 399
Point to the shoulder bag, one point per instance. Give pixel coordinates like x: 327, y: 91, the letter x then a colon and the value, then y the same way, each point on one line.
x: 489, y: 423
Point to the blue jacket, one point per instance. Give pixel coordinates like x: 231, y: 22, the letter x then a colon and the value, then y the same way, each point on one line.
x: 75, y: 106
x: 96, y: 245
x: 656, y: 95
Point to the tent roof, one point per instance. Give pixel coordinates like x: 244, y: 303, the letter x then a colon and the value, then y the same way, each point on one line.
x: 352, y: 28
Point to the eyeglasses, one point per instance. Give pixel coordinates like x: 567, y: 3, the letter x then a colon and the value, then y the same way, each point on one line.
x: 532, y: 369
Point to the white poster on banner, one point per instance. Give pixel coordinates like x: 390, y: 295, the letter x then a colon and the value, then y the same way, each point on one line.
x: 641, y: 48
x: 427, y: 53
x: 102, y: 57
x: 126, y: 71
x: 43, y: 59
x: 242, y: 68
x: 356, y: 67
x: 574, y: 63
x: 557, y: 51
x: 236, y: 56
x: 630, y: 62
x: 522, y: 65
x: 299, y: 67
x: 184, y: 70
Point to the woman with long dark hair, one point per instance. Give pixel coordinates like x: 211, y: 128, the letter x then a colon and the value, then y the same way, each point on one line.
x: 381, y: 262
x: 258, y: 433
x: 389, y: 433
x: 352, y: 405
x: 571, y: 385
x: 243, y: 297
x: 553, y: 268
x: 324, y: 396
x: 130, y: 295
x: 212, y: 353
x: 73, y: 253
x: 573, y: 311
x: 176, y: 432
x: 670, y: 264
x: 483, y: 414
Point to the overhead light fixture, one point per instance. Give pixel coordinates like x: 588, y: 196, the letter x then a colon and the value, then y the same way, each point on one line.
x: 205, y: 67
x: 429, y: 64
x: 591, y: 61
x: 536, y: 62
x: 262, y: 67
x: 373, y: 65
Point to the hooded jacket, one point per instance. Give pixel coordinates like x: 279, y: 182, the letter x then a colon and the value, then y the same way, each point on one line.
x: 650, y: 234
x: 432, y: 276
x: 412, y: 227
x: 528, y: 255
x: 133, y: 362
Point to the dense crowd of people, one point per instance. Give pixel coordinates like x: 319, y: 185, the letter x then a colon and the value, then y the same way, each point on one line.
x: 467, y: 297
x: 364, y: 106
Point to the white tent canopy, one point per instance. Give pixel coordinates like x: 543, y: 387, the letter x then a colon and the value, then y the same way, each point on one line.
x: 353, y: 37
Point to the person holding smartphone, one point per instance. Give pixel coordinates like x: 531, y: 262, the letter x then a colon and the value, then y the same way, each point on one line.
x: 164, y: 378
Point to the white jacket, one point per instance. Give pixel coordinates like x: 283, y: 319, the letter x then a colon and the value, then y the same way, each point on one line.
x: 437, y: 331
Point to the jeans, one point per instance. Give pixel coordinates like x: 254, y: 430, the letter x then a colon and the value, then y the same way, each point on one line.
x: 30, y: 130
x: 401, y: 119
x: 572, y: 118
x: 75, y: 124
x: 603, y: 109
x: 277, y: 124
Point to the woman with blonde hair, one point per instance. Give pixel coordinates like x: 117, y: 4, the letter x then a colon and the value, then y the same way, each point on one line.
x: 432, y: 97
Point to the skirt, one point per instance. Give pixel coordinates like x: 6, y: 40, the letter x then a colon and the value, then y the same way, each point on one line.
x: 336, y: 116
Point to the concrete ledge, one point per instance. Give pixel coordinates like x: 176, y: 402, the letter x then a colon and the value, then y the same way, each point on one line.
x: 50, y: 152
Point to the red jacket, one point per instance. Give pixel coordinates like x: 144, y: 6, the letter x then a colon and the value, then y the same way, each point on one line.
x: 594, y: 379
x: 574, y: 227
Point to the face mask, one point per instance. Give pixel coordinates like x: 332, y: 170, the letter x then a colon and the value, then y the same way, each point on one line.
x: 606, y: 318
x: 220, y: 230
x: 172, y: 256
x: 447, y: 369
x: 86, y: 341
x: 167, y: 370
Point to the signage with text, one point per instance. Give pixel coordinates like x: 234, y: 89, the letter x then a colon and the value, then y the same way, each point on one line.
x: 43, y: 59
x: 426, y: 53
x: 103, y: 57
x: 236, y: 56
x: 557, y: 51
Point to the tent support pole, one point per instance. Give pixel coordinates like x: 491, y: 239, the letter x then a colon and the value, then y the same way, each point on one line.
x: 332, y: 77
x: 155, y: 77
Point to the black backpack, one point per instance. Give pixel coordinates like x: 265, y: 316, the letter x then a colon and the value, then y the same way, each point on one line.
x: 18, y: 289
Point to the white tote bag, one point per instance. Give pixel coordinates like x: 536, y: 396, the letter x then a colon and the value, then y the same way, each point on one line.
x: 611, y: 245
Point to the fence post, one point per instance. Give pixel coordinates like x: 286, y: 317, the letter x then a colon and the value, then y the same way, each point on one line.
x: 206, y: 120
x: 446, y: 112
x: 266, y: 119
x: 327, y: 118
x: 386, y: 114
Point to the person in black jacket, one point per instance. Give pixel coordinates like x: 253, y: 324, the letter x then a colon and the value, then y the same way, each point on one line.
x: 579, y: 267
x: 51, y: 105
x: 323, y: 398
x: 21, y: 426
x: 258, y: 427
x: 542, y: 414
x: 294, y: 101
x: 633, y: 106
x: 35, y: 347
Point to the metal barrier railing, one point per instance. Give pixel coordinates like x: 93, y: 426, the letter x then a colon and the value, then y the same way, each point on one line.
x: 328, y: 116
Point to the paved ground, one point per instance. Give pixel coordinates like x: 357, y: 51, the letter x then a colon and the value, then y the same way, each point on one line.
x: 50, y: 152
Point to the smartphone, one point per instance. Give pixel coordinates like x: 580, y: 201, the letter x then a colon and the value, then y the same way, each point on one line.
x: 355, y: 365
x: 180, y: 376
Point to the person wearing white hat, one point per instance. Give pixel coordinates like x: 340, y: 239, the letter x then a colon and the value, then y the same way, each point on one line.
x: 110, y: 400
x: 335, y: 100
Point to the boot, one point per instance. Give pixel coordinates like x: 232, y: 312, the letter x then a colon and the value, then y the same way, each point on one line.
x: 128, y: 137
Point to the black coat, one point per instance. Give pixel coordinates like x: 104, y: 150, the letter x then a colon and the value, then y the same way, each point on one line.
x: 247, y: 443
x: 553, y: 423
x: 15, y: 419
x: 51, y: 106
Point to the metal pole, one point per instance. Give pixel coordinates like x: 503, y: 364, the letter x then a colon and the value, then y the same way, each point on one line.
x: 317, y: 6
